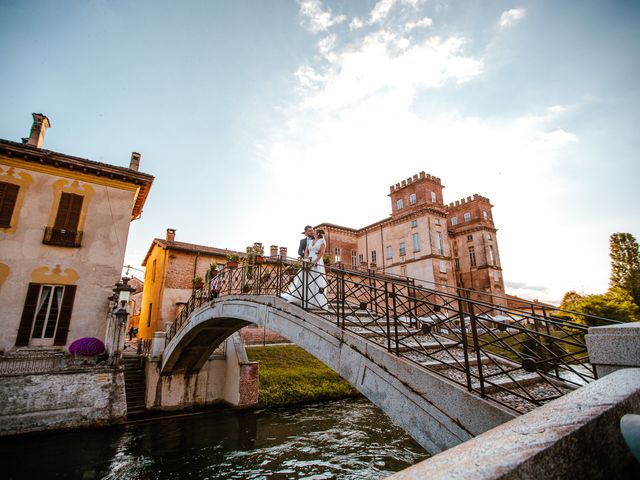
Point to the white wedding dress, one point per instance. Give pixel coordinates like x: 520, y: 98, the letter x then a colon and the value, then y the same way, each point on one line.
x: 308, y: 287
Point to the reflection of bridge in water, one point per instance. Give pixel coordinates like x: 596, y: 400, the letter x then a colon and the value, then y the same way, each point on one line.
x: 443, y: 363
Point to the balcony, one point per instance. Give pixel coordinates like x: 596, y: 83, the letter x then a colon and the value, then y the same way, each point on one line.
x: 62, y: 238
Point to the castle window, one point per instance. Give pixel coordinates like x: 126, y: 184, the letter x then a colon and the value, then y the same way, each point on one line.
x: 469, y: 238
x: 472, y: 256
x: 491, y: 259
x: 433, y: 197
x: 402, y: 249
x: 436, y: 221
x: 439, y: 243
x: 354, y: 258
x: 389, y: 252
x: 467, y: 216
x: 488, y: 236
x: 485, y: 215
x: 65, y: 232
x: 8, y: 197
x: 496, y: 277
x: 374, y: 256
x: 153, y: 271
x: 454, y: 220
x: 443, y: 267
x: 399, y: 204
x: 412, y: 199
x: 46, y: 315
x: 416, y: 242
x: 338, y: 255
x: 360, y: 259
x: 414, y: 223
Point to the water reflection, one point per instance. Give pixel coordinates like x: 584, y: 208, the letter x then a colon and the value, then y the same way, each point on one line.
x: 348, y: 439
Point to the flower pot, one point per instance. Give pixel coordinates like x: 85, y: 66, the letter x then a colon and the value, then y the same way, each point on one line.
x: 231, y: 264
x: 259, y: 259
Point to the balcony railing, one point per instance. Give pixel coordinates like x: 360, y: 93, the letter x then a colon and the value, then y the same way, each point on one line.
x: 62, y: 238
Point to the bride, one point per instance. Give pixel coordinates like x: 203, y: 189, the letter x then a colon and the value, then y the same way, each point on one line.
x: 310, y: 287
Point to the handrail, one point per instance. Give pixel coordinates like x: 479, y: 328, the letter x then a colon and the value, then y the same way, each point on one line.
x: 517, y: 358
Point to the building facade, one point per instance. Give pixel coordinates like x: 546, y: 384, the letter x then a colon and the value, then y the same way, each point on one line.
x: 442, y: 245
x: 170, y: 268
x: 64, y: 223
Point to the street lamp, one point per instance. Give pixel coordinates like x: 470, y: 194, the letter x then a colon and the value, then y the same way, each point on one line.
x: 121, y: 296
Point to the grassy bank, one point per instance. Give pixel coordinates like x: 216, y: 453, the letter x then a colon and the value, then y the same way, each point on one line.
x: 289, y: 375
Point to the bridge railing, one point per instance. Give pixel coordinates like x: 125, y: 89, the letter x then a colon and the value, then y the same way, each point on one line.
x: 516, y: 358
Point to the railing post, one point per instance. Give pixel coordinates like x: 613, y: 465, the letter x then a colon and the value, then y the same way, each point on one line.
x: 340, y: 292
x: 395, y: 317
x: 476, y: 346
x: 465, y: 345
x: 305, y: 285
x: 279, y: 273
x: 386, y: 309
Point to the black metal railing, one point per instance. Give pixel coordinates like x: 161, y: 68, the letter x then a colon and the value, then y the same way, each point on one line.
x: 62, y: 238
x: 517, y: 358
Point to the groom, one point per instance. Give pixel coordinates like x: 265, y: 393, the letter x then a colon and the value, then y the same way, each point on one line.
x: 308, y: 236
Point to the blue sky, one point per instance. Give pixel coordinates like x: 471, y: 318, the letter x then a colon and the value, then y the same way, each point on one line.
x: 259, y: 117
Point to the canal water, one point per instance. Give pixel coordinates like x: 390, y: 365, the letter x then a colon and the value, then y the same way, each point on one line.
x: 347, y: 439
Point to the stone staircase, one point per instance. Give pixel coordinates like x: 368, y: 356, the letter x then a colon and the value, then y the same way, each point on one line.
x: 135, y: 385
x: 507, y: 382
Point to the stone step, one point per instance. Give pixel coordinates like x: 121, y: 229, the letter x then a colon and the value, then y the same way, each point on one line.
x: 506, y: 382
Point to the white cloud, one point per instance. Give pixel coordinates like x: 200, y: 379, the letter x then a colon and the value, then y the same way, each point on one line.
x: 318, y: 19
x: 557, y: 109
x: 381, y: 10
x: 510, y: 17
x: 356, y: 23
x: 383, y: 60
x: 425, y: 22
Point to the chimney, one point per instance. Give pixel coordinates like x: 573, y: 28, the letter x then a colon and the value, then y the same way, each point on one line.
x: 274, y: 251
x: 134, y: 164
x: 283, y: 252
x: 38, y: 129
x: 171, y: 234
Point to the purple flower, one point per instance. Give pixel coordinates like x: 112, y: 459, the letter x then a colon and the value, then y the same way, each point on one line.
x: 87, y: 347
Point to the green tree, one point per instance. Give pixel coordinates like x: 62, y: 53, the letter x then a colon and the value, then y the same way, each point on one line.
x: 616, y: 304
x: 625, y: 265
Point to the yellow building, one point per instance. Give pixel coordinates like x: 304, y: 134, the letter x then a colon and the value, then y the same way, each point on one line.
x: 170, y: 269
x: 64, y: 223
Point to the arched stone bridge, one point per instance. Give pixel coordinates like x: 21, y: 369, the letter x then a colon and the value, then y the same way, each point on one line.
x: 444, y: 364
x: 436, y: 413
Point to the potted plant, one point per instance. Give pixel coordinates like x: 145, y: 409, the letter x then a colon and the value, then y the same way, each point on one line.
x: 198, y: 283
x: 233, y: 259
x: 255, y: 254
x: 212, y: 268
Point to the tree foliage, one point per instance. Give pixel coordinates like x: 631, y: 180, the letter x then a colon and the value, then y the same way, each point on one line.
x: 616, y: 304
x: 625, y: 265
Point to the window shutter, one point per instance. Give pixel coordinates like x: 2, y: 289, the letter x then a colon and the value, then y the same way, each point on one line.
x: 69, y: 210
x: 8, y: 197
x: 28, y: 312
x: 65, y: 315
x: 74, y: 213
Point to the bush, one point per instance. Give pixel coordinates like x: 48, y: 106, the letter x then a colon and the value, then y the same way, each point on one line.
x: 87, y: 347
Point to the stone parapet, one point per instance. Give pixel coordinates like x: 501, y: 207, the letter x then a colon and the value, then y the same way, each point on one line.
x: 613, y: 347
x: 575, y: 436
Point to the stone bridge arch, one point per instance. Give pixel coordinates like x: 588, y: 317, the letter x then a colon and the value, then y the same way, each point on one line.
x: 437, y: 413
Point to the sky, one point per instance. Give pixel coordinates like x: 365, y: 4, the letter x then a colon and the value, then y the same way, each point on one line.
x: 258, y: 117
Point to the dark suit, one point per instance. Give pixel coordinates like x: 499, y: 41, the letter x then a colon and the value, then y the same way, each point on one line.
x: 302, y: 247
